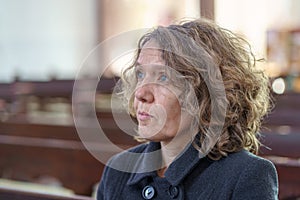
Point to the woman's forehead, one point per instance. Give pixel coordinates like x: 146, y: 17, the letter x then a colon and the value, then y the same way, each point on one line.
x: 150, y: 52
x: 150, y: 55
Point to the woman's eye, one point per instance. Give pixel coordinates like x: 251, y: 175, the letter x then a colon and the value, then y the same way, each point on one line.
x: 140, y: 75
x: 163, y: 78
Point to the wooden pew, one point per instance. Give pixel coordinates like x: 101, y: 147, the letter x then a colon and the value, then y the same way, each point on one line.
x: 28, y: 151
x: 52, y: 88
x: 281, y: 137
x: 70, y: 163
x: 284, y: 152
x: 286, y: 111
x: 13, y: 194
x: 66, y: 132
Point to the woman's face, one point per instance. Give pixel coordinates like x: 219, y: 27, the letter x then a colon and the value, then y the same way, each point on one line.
x: 156, y: 102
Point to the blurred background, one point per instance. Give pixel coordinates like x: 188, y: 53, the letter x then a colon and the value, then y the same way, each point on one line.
x: 44, y: 44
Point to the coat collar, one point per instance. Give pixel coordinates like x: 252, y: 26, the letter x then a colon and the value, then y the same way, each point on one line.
x: 176, y: 172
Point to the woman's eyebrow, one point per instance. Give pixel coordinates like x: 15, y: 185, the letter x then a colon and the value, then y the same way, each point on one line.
x: 154, y: 67
x: 138, y: 67
x: 157, y: 66
x: 137, y: 63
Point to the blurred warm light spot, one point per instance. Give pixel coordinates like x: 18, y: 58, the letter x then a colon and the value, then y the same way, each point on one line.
x: 296, y: 84
x: 278, y: 86
x: 284, y: 130
x: 272, y: 69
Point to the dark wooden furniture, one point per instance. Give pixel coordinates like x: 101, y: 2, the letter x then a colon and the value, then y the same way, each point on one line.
x: 53, y: 88
x: 12, y: 194
x: 281, y: 137
x: 29, y: 151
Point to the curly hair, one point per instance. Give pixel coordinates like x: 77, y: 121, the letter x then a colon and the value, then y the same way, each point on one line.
x: 195, y: 49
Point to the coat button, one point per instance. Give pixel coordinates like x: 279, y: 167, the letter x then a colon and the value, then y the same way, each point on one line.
x: 173, y: 191
x: 148, y: 192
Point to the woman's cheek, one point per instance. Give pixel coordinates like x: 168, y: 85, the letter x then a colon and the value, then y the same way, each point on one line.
x: 134, y: 104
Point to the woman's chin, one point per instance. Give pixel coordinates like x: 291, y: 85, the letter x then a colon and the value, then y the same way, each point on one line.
x: 148, y: 132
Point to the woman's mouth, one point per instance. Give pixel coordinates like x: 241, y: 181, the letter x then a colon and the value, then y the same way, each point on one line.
x: 144, y: 116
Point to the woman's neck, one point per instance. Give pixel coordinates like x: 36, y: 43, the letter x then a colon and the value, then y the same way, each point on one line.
x: 171, y: 150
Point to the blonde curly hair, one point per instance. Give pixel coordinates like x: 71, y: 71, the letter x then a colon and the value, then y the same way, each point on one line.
x: 194, y: 48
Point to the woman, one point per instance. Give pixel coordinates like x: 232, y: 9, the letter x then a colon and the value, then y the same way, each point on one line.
x: 198, y: 101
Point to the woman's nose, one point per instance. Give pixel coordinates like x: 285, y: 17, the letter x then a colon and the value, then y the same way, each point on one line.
x: 144, y: 93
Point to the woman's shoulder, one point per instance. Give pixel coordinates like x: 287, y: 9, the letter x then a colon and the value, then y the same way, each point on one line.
x: 244, y: 161
x: 245, y: 156
x: 243, y: 170
x: 252, y: 171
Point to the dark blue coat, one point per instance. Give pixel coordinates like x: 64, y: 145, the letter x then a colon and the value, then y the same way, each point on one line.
x: 240, y: 175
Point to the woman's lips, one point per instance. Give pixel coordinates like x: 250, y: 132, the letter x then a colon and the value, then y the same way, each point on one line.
x: 144, y: 116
